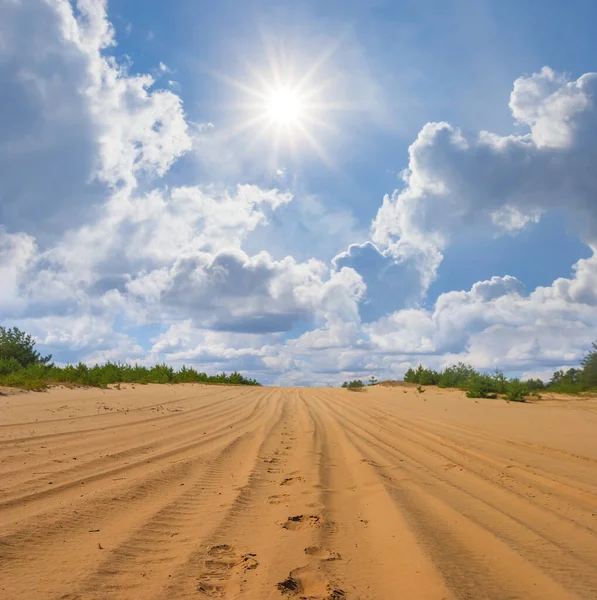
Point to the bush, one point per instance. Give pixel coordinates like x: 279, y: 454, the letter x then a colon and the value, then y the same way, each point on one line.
x: 567, y: 382
x: 38, y: 376
x: 534, y: 385
x: 500, y: 382
x: 455, y: 376
x: 516, y: 391
x: 22, y: 366
x: 354, y: 386
x: 422, y: 376
x: 32, y: 377
x: 483, y: 385
x: 480, y: 385
x: 9, y: 365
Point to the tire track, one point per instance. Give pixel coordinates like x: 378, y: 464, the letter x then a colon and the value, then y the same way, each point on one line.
x: 218, y: 563
x: 484, y: 508
x: 380, y: 556
x: 33, y: 541
x: 102, y: 506
x: 316, y: 494
x: 144, y: 457
x: 144, y: 559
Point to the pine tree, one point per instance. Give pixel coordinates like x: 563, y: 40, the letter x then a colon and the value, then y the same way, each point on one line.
x: 589, y: 368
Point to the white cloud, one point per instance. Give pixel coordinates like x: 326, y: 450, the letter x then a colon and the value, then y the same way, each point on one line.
x: 554, y: 108
x: 79, y: 120
x: 93, y: 240
x: 496, y: 323
x: 511, y: 219
x: 232, y: 291
x: 17, y: 253
x: 456, y: 183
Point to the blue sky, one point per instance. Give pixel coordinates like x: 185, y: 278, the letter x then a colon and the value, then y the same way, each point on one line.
x: 432, y: 201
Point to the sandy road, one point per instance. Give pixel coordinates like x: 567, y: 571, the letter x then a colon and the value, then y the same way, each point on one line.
x: 194, y: 491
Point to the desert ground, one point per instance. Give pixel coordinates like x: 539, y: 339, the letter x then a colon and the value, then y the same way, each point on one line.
x: 195, y: 491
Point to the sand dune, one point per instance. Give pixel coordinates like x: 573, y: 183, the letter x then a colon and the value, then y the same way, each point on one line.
x: 196, y: 491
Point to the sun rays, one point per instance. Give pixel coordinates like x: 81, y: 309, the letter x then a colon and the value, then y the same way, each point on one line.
x: 284, y: 111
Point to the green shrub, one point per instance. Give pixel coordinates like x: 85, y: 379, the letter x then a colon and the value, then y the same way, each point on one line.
x: 38, y: 376
x: 500, y: 382
x: 422, y: 376
x: 354, y: 386
x: 533, y: 385
x: 516, y: 391
x: 480, y: 385
x: 409, y: 376
x: 455, y: 376
x: 567, y: 382
x: 483, y: 385
x: 9, y: 365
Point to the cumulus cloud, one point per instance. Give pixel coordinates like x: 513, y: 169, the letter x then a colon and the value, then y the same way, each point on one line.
x: 74, y: 122
x: 48, y: 138
x: 94, y: 241
x: 232, y: 291
x: 495, y: 323
x: 183, y: 342
x: 17, y: 253
x: 166, y: 253
x: 455, y: 183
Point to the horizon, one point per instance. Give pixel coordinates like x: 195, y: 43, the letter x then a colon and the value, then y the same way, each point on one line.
x: 303, y: 194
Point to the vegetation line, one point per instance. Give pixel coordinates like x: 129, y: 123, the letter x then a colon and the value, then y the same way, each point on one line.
x: 23, y: 367
x: 489, y: 385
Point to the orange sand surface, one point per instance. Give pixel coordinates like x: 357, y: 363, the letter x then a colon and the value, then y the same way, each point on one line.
x: 195, y: 491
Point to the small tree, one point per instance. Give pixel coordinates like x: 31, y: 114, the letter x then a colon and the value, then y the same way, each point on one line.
x: 18, y: 345
x: 569, y: 381
x: 534, y: 384
x: 354, y: 386
x: 372, y: 380
x: 410, y: 376
x: 516, y: 390
x: 480, y: 385
x: 500, y: 382
x: 455, y: 376
x: 589, y: 368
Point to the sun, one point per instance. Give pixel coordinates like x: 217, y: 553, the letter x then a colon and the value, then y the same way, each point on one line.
x: 283, y: 110
x: 284, y: 106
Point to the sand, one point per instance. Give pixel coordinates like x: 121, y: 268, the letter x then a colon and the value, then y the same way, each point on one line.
x: 195, y: 491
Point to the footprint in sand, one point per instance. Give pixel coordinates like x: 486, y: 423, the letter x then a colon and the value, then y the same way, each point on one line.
x: 223, y: 566
x: 322, y: 553
x: 292, y: 480
x: 301, y: 522
x: 278, y: 498
x: 306, y: 582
